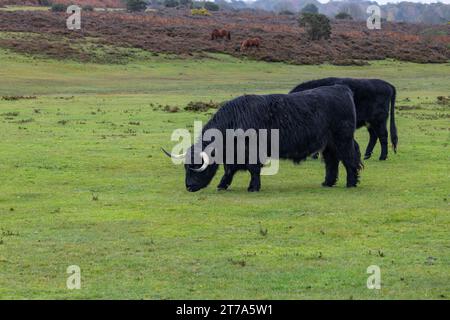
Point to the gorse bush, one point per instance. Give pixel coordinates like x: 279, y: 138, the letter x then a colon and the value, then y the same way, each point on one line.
x: 317, y: 25
x: 200, y: 12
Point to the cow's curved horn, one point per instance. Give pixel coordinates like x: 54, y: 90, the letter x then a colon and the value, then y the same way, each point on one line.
x: 205, y: 158
x: 174, y: 156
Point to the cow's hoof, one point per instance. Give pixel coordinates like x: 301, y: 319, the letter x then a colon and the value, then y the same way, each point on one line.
x: 328, y: 185
x: 367, y: 156
x: 352, y: 185
x: 253, y: 189
x: 383, y: 158
x: 222, y: 188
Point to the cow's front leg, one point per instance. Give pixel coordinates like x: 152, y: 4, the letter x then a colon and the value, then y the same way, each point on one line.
x: 331, y: 165
x: 255, y: 181
x: 227, y: 177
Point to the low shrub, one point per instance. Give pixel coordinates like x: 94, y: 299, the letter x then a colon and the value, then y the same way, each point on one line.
x: 199, y: 106
x: 443, y: 100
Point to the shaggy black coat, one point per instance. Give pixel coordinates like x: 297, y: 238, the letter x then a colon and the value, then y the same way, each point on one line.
x: 372, y: 98
x: 319, y: 119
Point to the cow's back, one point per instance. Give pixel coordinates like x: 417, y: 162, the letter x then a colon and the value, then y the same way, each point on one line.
x: 319, y: 106
x: 310, y: 117
x: 371, y: 96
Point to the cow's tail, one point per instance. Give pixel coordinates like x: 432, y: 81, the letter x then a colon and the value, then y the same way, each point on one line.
x: 360, y: 164
x: 393, y: 128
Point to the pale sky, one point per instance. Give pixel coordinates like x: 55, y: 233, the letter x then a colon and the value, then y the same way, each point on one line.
x: 394, y: 1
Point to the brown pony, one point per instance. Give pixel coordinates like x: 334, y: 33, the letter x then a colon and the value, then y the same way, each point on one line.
x: 251, y: 42
x: 222, y: 33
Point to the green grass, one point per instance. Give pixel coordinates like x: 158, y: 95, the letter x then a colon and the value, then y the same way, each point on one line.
x: 80, y: 185
x: 24, y: 8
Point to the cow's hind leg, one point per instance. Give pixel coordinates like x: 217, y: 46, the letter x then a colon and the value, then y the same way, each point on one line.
x: 350, y: 155
x: 382, y: 134
x: 372, y: 142
x: 227, y: 177
x: 255, y: 181
x: 331, y: 165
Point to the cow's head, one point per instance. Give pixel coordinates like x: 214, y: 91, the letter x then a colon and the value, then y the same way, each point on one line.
x: 199, y: 169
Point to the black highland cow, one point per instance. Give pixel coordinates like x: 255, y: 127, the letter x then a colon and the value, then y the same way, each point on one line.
x: 319, y: 119
x: 372, y: 98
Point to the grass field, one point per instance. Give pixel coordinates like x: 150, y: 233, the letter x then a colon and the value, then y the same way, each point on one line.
x: 83, y: 182
x: 24, y: 8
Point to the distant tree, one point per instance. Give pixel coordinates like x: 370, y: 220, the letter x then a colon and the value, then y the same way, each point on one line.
x: 343, y: 16
x: 281, y: 5
x: 171, y: 3
x: 355, y: 10
x: 286, y: 13
x: 59, y: 7
x: 317, y: 25
x: 46, y: 3
x: 136, y: 5
x: 197, y: 5
x: 88, y: 8
x: 310, y: 8
x: 186, y: 3
x: 211, y: 6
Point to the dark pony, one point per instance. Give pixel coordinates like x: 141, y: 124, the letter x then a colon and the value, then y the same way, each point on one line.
x: 219, y: 34
x: 251, y: 42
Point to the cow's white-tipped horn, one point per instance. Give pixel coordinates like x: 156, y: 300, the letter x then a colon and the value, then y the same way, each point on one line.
x: 205, y: 158
x: 174, y: 156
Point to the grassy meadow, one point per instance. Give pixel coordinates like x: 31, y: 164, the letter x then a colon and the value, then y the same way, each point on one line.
x: 83, y: 182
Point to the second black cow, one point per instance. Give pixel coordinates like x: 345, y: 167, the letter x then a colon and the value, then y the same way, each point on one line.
x: 372, y: 99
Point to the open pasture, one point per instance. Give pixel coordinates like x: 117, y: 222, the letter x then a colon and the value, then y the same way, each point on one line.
x: 83, y: 182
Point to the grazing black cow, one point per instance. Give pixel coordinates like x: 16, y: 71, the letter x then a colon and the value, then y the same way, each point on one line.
x: 372, y: 98
x: 318, y: 119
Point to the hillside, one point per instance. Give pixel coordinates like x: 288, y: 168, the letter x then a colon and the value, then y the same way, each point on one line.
x: 178, y: 32
x: 94, y: 3
x: 435, y: 13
